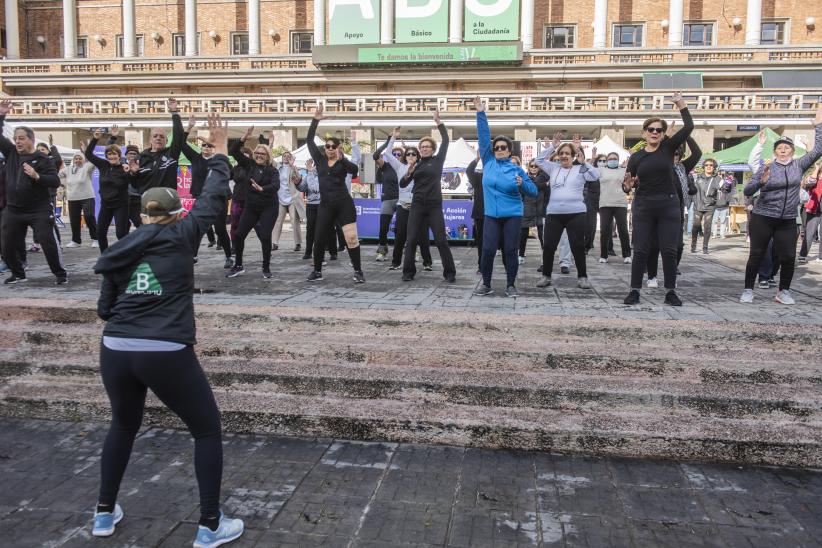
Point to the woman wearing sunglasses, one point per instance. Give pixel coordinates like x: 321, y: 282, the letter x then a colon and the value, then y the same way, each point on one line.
x: 566, y: 209
x: 401, y: 163
x: 336, y: 204
x: 389, y: 178
x: 426, y: 206
x: 504, y: 183
x: 261, y: 205
x: 657, y: 199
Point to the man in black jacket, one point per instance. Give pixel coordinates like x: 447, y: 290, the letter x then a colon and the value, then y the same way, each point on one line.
x: 30, y: 175
x: 158, y: 163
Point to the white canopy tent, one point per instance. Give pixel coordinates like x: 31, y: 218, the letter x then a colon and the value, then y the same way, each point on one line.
x: 606, y: 145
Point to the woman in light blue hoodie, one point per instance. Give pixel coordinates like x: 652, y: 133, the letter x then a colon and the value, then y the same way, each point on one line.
x: 503, y: 185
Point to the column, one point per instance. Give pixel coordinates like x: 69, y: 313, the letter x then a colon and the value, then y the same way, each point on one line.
x: 69, y: 29
x: 455, y: 25
x: 386, y: 21
x: 675, y: 16
x: 527, y: 25
x: 704, y: 137
x: 129, y: 30
x: 600, y: 23
x: 319, y: 22
x: 253, y: 27
x: 617, y: 134
x: 12, y: 30
x: 753, y: 23
x: 192, y: 45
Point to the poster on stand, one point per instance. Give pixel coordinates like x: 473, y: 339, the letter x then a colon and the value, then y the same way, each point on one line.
x: 457, y: 214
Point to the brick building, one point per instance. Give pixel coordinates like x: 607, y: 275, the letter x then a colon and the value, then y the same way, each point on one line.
x: 596, y: 66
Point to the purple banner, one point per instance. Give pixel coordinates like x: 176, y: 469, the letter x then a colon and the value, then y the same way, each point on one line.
x: 457, y: 213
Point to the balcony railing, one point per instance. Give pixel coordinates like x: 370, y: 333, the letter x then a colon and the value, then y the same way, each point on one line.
x: 581, y: 58
x: 744, y: 103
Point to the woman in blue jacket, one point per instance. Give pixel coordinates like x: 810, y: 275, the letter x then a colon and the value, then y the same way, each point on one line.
x: 503, y: 185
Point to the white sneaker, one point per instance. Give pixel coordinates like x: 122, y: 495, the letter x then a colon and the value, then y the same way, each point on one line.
x: 602, y: 261
x: 521, y: 260
x: 747, y: 296
x: 818, y: 261
x: 72, y: 244
x: 626, y: 260
x: 784, y: 296
x: 583, y: 283
x: 652, y: 283
x: 94, y: 243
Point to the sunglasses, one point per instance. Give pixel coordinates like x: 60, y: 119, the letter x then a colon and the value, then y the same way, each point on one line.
x: 208, y: 145
x: 397, y: 154
x: 330, y: 147
x: 500, y: 148
x: 654, y: 129
x: 532, y: 166
x: 410, y: 154
x: 262, y: 154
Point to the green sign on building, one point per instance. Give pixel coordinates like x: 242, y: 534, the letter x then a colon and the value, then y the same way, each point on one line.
x: 421, y: 21
x: 353, y: 22
x: 427, y: 54
x: 491, y: 20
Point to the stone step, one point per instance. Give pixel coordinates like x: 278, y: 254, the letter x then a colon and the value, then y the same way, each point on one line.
x: 539, y: 389
x: 679, y: 434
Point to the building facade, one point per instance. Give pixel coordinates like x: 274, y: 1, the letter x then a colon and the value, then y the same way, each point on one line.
x: 589, y: 66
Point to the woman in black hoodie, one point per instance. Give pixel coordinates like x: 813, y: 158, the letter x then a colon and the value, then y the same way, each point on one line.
x: 148, y: 342
x: 114, y: 179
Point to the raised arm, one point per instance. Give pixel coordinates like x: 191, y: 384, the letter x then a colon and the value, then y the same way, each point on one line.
x: 690, y: 162
x: 388, y: 145
x: 678, y: 138
x: 483, y: 132
x: 315, y: 153
x: 443, y: 150
x: 808, y: 159
x: 356, y: 153
x: 6, y: 146
x: 542, y: 160
x: 236, y: 151
x: 177, y: 131
x: 755, y: 156
x: 97, y: 162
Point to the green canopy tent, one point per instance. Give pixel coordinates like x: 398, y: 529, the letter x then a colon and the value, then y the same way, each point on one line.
x: 736, y: 157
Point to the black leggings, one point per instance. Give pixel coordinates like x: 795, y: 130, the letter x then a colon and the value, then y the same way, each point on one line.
x: 340, y: 211
x: 702, y: 222
x: 575, y: 224
x: 479, y: 226
x: 177, y: 379
x: 86, y: 209
x: 134, y: 207
x: 262, y: 221
x: 656, y: 218
x: 401, y: 237
x: 591, y: 225
x: 311, y: 211
x: 783, y: 231
x: 427, y: 215
x: 653, y: 257
x: 120, y: 216
x: 606, y: 218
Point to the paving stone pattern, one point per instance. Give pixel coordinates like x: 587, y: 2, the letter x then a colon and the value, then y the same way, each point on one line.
x: 321, y: 492
x: 710, y: 285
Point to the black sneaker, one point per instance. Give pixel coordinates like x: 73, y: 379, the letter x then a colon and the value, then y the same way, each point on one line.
x: 483, y: 290
x: 266, y: 274
x: 275, y: 247
x: 451, y: 278
x: 332, y: 257
x: 672, y: 299
x: 212, y: 244
x: 564, y: 270
x: 394, y: 267
x: 235, y: 271
x: 407, y: 277
x: 61, y: 280
x: 512, y: 292
x: 14, y: 280
x: 195, y: 259
x: 229, y: 262
x: 306, y: 256
x: 315, y: 276
x: 632, y: 298
x: 359, y: 277
x: 341, y: 248
x: 428, y: 267
x: 298, y: 247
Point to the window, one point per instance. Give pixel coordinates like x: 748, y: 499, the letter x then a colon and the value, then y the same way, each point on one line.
x: 698, y: 34
x: 82, y: 47
x: 627, y: 36
x: 141, y: 49
x: 179, y: 44
x: 560, y: 37
x: 239, y: 43
x: 301, y: 41
x: 773, y: 33
x: 3, y: 38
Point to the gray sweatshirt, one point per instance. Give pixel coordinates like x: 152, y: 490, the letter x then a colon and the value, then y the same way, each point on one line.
x: 310, y: 184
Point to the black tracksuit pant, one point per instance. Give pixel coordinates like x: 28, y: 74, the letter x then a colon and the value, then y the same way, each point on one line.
x: 261, y: 219
x: 177, y: 379
x: 86, y: 209
x: 783, y: 232
x: 311, y: 211
x: 574, y: 224
x: 15, y: 224
x: 401, y: 238
x: 134, y: 207
x: 108, y: 212
x: 606, y: 217
x: 656, y: 218
x: 427, y: 215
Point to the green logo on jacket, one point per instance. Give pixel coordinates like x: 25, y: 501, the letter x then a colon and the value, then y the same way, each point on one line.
x: 144, y: 282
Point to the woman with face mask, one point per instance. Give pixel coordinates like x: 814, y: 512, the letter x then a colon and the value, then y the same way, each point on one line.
x: 613, y: 205
x: 657, y: 201
x: 566, y: 208
x: 774, y: 214
x: 533, y: 210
